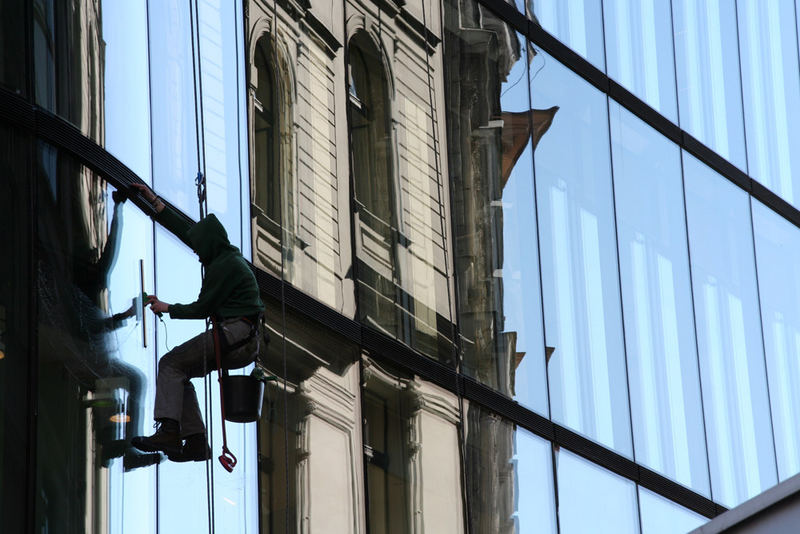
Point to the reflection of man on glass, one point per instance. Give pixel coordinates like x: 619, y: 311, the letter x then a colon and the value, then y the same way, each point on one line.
x: 91, y: 280
x: 229, y: 293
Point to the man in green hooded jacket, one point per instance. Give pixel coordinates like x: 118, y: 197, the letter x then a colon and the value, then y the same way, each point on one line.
x: 230, y: 294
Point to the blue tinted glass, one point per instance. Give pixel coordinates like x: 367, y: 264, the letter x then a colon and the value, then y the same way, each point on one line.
x: 127, y: 89
x: 771, y: 88
x: 535, y: 500
x: 709, y: 88
x: 220, y: 47
x: 639, y: 51
x: 591, y: 499
x: 174, y: 139
x: 580, y: 283
x: 732, y: 371
x: 657, y: 302
x: 576, y: 23
x: 778, y: 260
x: 662, y: 516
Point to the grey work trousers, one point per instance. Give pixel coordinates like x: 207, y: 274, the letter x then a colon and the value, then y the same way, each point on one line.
x: 175, y: 395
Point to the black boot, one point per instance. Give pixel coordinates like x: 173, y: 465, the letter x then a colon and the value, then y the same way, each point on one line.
x: 195, y: 449
x: 133, y: 459
x: 167, y: 438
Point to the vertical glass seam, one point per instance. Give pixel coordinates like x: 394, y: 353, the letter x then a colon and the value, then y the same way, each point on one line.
x: 694, y: 327
x: 621, y: 303
x: 763, y: 347
x: 674, y: 63
x: 741, y: 89
x: 153, y: 240
x: 549, y: 414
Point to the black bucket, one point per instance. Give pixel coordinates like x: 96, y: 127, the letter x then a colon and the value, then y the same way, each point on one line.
x: 243, y: 397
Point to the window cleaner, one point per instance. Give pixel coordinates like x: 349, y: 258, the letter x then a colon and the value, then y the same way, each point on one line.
x: 229, y: 295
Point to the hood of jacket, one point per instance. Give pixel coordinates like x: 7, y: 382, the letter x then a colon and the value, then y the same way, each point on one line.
x: 209, y: 239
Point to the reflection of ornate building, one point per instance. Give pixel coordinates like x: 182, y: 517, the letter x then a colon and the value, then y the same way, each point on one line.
x: 485, y: 143
x: 301, y: 100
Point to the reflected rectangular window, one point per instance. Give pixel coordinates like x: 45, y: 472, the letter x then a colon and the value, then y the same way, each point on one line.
x: 509, y: 475
x: 639, y: 51
x: 709, y: 87
x: 662, y: 516
x: 778, y: 258
x: 494, y: 212
x: 580, y: 281
x: 13, y: 70
x: 733, y: 377
x: 771, y: 89
x: 591, y: 499
x: 411, y: 457
x: 657, y: 302
x: 576, y: 23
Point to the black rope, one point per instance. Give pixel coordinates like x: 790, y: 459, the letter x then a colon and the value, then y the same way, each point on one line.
x: 200, y: 183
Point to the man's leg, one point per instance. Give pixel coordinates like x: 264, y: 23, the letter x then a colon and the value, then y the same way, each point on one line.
x: 175, y: 394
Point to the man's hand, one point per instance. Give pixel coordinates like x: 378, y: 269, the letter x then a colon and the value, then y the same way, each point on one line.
x: 156, y: 305
x: 146, y: 192
x: 149, y: 196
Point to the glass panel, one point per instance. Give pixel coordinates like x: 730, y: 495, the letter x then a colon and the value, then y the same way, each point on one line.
x: 576, y: 23
x: 300, y: 185
x: 733, y: 378
x: 126, y: 89
x: 411, y: 456
x: 494, y: 211
x: 220, y: 45
x: 96, y: 355
x: 778, y: 258
x: 183, y: 486
x: 591, y: 499
x: 15, y: 280
x: 68, y: 63
x: 580, y: 282
x: 771, y: 88
x: 657, y: 302
x: 509, y: 475
x: 399, y: 195
x: 709, y: 87
x: 309, y: 431
x: 13, y: 43
x: 172, y: 96
x: 662, y: 516
x: 639, y: 51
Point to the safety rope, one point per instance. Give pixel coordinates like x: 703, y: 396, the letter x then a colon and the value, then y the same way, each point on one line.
x: 202, y: 200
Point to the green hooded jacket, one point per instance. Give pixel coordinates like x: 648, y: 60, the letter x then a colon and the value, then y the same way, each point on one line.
x: 229, y: 288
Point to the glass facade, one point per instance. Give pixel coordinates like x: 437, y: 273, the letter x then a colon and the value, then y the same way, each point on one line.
x: 499, y: 299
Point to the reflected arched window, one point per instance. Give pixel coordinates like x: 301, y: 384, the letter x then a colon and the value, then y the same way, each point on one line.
x: 266, y: 146
x: 374, y: 189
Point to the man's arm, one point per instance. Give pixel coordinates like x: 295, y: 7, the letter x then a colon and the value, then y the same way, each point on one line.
x: 165, y: 215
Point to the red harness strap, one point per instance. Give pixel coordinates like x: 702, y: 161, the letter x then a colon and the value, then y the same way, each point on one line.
x: 227, y: 459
